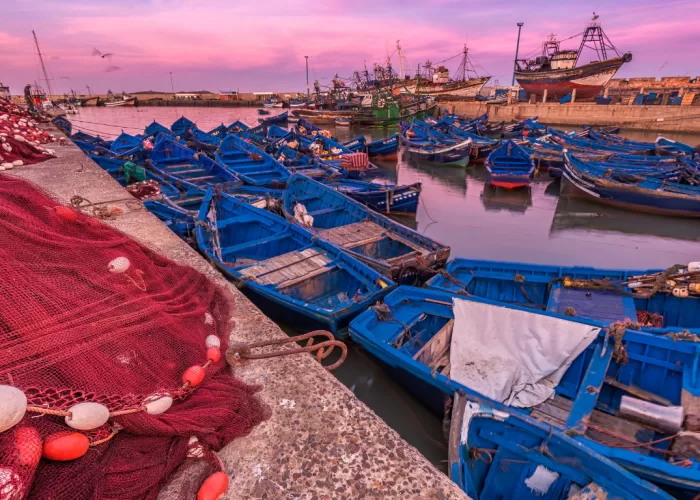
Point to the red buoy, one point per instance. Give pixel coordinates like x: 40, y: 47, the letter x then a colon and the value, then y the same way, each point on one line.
x: 213, y: 487
x: 28, y: 444
x: 65, y: 213
x: 65, y: 445
x: 213, y: 354
x: 194, y: 375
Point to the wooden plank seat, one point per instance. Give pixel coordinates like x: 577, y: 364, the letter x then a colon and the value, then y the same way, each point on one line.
x: 289, y: 268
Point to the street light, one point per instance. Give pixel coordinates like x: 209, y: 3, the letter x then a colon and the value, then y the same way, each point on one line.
x: 308, y: 93
x: 172, y: 87
x: 517, y: 48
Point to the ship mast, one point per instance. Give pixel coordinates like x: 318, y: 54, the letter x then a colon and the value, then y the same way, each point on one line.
x: 401, y: 58
x: 43, y: 66
x: 595, y: 38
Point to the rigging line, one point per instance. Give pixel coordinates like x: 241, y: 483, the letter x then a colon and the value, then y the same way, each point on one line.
x: 106, y: 124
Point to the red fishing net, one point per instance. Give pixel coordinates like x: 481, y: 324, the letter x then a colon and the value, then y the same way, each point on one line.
x: 20, y: 138
x: 89, y: 315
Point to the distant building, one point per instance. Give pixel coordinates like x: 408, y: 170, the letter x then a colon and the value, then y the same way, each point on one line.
x: 229, y: 95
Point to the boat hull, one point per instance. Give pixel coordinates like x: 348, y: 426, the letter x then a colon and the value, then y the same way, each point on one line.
x: 402, y: 200
x: 588, y: 80
x: 125, y: 102
x: 469, y: 88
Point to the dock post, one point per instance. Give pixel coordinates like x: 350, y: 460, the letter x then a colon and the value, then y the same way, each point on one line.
x: 510, y: 97
x: 573, y: 96
x: 605, y: 92
x: 544, y: 97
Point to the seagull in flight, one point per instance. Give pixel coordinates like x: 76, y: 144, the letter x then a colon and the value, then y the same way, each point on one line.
x: 111, y: 69
x: 107, y: 56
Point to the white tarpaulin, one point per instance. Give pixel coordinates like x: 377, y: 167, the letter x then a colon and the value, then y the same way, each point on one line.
x: 513, y: 356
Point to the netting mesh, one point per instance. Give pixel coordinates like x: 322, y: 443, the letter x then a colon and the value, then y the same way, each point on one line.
x: 87, y: 314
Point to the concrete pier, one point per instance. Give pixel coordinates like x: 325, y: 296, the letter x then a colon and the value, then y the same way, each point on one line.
x: 320, y: 441
x: 659, y: 118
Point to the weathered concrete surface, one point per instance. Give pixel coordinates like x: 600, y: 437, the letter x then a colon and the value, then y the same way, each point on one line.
x: 659, y: 118
x: 320, y: 442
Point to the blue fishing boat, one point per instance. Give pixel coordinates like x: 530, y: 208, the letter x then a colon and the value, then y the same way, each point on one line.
x: 252, y: 164
x: 393, y: 249
x: 63, y: 124
x: 638, y: 191
x: 203, y: 141
x: 181, y: 127
x: 284, y: 264
x: 89, y: 143
x: 281, y: 118
x: 184, y: 166
x: 384, y: 149
x: 586, y: 292
x: 263, y: 111
x: 423, y: 144
x: 237, y: 126
x: 153, y: 131
x: 510, y: 166
x: 495, y: 453
x: 357, y: 145
x: 669, y: 147
x: 599, y: 377
x: 383, y: 198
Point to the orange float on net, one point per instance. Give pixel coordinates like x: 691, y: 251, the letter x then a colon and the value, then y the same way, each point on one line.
x: 65, y: 445
x: 213, y: 354
x: 28, y: 445
x: 194, y: 375
x: 65, y: 213
x: 213, y: 487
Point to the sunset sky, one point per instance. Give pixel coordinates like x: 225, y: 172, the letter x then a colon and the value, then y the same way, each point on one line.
x: 260, y: 46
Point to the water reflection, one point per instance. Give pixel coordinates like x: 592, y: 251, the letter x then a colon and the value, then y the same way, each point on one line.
x: 514, y: 200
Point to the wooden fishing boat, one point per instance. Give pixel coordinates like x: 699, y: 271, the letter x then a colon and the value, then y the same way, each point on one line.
x: 441, y: 153
x: 252, y: 164
x: 382, y: 198
x: 393, y: 249
x: 591, y: 293
x: 284, y: 264
x: 281, y: 118
x: 384, y: 149
x: 510, y: 166
x: 415, y: 331
x: 273, y: 103
x: 129, y: 101
x: 343, y: 121
x: 495, y: 453
x: 638, y: 191
x: 203, y: 141
x: 237, y: 126
x: 184, y: 166
x: 182, y: 126
x: 63, y: 124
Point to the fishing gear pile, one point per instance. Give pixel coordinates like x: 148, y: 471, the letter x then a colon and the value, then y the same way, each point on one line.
x: 111, y: 373
x: 20, y: 138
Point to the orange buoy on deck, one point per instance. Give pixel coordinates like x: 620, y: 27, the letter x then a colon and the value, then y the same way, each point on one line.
x: 194, y: 375
x: 65, y: 445
x: 213, y: 487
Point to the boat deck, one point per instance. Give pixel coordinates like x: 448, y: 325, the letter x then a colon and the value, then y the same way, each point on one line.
x: 364, y: 233
x: 289, y: 268
x: 603, y: 427
x: 600, y: 305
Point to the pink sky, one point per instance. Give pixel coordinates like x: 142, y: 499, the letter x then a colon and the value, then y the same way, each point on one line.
x: 260, y: 46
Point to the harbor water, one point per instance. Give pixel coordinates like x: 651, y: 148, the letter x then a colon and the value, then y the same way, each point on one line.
x: 477, y: 221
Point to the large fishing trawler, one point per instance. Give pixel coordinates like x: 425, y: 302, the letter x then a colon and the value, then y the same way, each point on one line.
x: 558, y: 72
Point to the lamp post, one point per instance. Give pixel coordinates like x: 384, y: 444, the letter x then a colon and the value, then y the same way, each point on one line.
x: 172, y: 87
x: 308, y: 93
x: 517, y: 48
